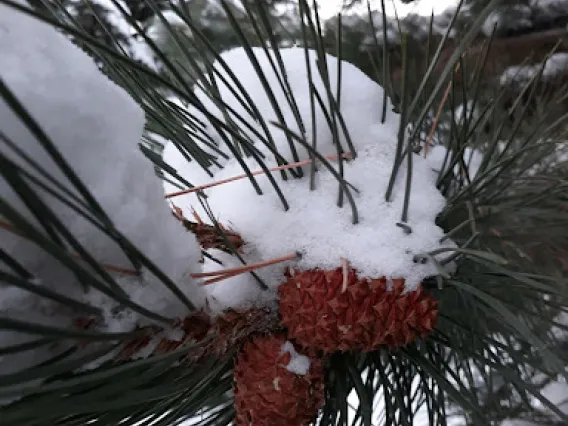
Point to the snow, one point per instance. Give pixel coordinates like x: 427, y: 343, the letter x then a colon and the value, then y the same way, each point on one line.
x: 556, y: 392
x: 328, y: 8
x: 555, y: 66
x: 137, y: 47
x: 412, y: 18
x: 240, y: 290
x: 299, y: 364
x: 517, y: 423
x: 172, y: 18
x: 315, y: 226
x: 359, y: 23
x: 551, y: 8
x: 324, y: 234
x: 501, y: 19
x: 393, y: 35
x: 437, y: 155
x: 193, y: 174
x: 412, y: 23
x: 159, y: 32
x: 96, y: 127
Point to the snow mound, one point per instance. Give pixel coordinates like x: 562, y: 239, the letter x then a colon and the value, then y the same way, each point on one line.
x: 361, y: 99
x: 314, y: 225
x: 323, y: 233
x: 96, y: 127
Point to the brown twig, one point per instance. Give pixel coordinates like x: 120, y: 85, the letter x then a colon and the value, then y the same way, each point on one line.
x: 246, y: 268
x: 232, y: 272
x: 255, y: 173
x: 345, y: 270
x: 196, y: 217
x: 178, y: 212
x: 112, y: 268
x: 209, y: 237
x: 438, y: 113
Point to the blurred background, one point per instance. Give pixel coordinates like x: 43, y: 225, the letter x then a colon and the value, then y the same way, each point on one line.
x: 515, y: 40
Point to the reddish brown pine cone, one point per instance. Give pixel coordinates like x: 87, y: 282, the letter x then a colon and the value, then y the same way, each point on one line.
x: 266, y: 393
x: 328, y: 311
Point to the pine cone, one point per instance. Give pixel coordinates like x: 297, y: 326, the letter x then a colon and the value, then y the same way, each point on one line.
x: 266, y: 393
x: 326, y: 311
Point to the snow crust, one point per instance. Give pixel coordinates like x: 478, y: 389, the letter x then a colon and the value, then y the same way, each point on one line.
x: 299, y: 364
x: 315, y: 226
x: 96, y: 127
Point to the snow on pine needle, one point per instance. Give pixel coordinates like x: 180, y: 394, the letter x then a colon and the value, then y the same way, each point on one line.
x: 96, y: 127
x: 314, y: 226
